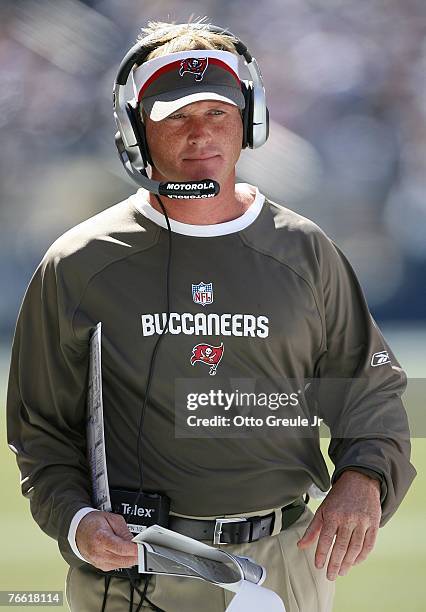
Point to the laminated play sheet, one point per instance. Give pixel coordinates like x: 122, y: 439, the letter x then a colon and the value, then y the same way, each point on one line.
x: 165, y: 552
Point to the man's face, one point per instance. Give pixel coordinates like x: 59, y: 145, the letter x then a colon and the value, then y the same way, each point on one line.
x: 200, y: 140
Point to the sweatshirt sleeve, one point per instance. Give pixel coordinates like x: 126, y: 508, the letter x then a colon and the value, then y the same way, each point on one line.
x: 360, y: 384
x: 46, y: 403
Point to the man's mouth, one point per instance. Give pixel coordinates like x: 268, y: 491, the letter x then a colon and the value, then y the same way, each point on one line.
x: 200, y: 157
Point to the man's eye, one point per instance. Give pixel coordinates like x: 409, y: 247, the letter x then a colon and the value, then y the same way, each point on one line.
x: 176, y: 116
x: 217, y: 112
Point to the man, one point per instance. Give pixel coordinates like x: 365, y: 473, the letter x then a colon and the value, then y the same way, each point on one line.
x: 284, y: 304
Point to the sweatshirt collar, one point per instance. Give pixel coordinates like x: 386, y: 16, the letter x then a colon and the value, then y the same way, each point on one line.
x: 140, y: 201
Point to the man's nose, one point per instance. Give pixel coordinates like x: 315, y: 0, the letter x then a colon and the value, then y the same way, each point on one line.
x: 198, y: 131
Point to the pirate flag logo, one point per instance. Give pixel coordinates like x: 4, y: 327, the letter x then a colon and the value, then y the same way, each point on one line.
x: 194, y: 65
x: 208, y: 354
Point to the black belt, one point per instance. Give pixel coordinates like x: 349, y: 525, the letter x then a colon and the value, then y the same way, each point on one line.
x: 236, y: 530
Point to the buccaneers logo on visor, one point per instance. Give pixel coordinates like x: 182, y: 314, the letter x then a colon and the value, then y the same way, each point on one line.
x: 194, y: 65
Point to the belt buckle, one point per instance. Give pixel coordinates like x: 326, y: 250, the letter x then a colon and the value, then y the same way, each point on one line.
x: 218, y: 527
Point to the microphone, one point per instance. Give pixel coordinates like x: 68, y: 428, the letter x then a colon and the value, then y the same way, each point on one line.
x: 205, y: 188
x: 178, y: 190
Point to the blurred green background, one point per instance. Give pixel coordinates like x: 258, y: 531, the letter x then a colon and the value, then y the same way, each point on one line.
x: 346, y: 93
x: 390, y: 580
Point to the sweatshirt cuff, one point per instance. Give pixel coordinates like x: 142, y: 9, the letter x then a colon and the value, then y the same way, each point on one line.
x: 73, y: 530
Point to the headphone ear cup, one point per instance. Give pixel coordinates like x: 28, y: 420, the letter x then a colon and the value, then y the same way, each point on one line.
x: 247, y: 89
x: 139, y: 131
x: 260, y: 118
x: 146, y: 156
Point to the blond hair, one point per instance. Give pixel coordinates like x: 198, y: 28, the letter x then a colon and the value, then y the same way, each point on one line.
x: 172, y: 37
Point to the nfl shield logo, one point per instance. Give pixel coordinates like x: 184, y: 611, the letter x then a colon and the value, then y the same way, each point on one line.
x: 202, y: 293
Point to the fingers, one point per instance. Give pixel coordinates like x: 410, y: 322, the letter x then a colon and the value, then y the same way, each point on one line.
x: 351, y: 546
x: 325, y: 542
x: 108, y: 561
x: 312, y: 531
x: 369, y: 542
x: 107, y: 551
x: 105, y: 538
x: 342, y: 547
x: 118, y: 546
x: 354, y: 548
x: 119, y: 526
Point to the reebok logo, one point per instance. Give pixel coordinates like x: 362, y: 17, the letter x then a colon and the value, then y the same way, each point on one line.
x: 380, y: 358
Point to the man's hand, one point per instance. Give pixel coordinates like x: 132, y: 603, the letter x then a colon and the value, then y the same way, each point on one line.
x: 351, y: 512
x: 104, y: 540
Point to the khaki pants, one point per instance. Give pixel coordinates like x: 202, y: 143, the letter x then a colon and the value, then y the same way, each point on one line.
x: 290, y: 573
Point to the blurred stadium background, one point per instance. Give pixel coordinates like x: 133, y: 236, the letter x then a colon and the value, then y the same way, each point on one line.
x: 346, y: 91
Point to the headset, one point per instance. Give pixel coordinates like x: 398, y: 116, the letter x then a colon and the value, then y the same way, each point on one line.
x: 130, y: 138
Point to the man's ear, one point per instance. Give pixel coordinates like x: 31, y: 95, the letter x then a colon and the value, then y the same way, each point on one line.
x: 142, y: 137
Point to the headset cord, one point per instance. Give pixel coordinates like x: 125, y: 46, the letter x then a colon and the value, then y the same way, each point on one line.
x: 141, y: 420
x: 142, y: 595
x: 133, y: 587
x: 107, y: 580
x: 153, y: 357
